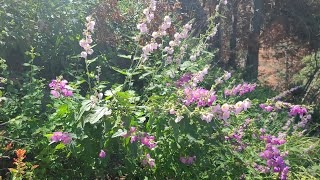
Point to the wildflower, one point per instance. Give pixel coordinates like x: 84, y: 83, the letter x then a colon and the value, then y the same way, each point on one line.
x: 268, y: 108
x: 142, y: 27
x: 60, y: 88
x: 207, y: 117
x: 296, y: 109
x: 63, y: 137
x: 102, y: 154
x: 148, y: 160
x: 87, y: 40
x: 187, y: 160
x: 227, y: 75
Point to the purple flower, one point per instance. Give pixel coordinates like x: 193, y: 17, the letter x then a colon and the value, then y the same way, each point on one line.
x: 102, y: 154
x: 133, y: 139
x: 268, y: 108
x: 148, y: 160
x: 63, y: 137
x: 60, y: 88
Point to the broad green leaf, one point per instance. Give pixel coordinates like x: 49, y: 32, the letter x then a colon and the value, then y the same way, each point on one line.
x: 60, y: 146
x: 86, y: 105
x: 99, y: 113
x: 120, y: 132
x: 124, y: 72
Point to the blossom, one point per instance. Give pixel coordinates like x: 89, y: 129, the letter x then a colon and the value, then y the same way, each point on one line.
x: 274, y: 160
x: 148, y: 160
x: 226, y: 75
x: 63, y: 137
x: 296, y: 109
x: 268, y: 108
x: 102, y: 154
x: 142, y: 27
x: 60, y: 88
x: 187, y: 160
x: 207, y: 117
x: 85, y: 43
x: 240, y: 89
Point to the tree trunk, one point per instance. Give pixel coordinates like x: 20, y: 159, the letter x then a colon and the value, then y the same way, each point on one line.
x: 233, y: 39
x: 252, y: 61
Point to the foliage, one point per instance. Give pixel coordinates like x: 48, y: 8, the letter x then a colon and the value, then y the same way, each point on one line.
x: 175, y: 115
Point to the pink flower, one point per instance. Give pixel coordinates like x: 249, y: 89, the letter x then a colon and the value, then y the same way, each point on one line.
x: 61, y: 137
x: 60, y: 88
x: 133, y: 139
x: 142, y: 27
x: 102, y: 154
x: 268, y: 108
x: 227, y: 76
x: 148, y: 160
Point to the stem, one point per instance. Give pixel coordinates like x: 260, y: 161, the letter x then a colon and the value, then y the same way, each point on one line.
x: 87, y: 72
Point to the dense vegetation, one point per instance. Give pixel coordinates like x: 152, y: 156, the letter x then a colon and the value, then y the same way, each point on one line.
x: 132, y: 89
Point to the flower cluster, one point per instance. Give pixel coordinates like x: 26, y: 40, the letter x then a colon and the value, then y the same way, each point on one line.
x: 240, y: 89
x: 224, y: 111
x: 187, y: 160
x: 86, y: 42
x: 183, y: 80
x: 272, y: 154
x: 266, y: 108
x: 225, y: 77
x: 237, y: 136
x: 296, y: 109
x: 201, y: 96
x: 148, y: 160
x: 60, y: 88
x: 198, y: 77
x: 144, y: 138
x: 63, y: 137
x: 149, y: 13
x: 176, y: 42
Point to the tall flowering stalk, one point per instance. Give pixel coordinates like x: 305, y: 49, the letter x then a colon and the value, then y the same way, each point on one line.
x: 85, y: 43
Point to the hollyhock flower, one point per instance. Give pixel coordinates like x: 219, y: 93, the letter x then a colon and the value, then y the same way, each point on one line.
x: 227, y: 92
x: 268, y: 108
x: 207, y: 117
x: 187, y: 160
x: 61, y: 137
x: 227, y: 76
x: 241, y: 89
x: 85, y: 42
x: 83, y: 54
x: 102, y: 154
x: 225, y: 107
x: 148, y: 160
x: 55, y: 93
x: 133, y: 139
x: 60, y: 88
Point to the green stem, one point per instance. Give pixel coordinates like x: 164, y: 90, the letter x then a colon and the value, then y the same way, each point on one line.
x: 88, y: 75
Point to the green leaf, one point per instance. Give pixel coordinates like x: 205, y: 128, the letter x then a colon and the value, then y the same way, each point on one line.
x: 91, y: 61
x: 60, y: 146
x: 99, y: 113
x: 48, y: 135
x: 120, y: 71
x: 86, y: 105
x: 120, y: 132
x: 125, y: 56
